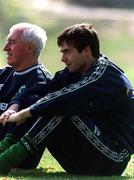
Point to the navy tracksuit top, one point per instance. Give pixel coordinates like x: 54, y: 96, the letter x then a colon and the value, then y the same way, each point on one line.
x: 103, y: 93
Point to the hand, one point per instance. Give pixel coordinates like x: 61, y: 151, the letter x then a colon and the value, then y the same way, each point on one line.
x: 4, y: 116
x: 11, y: 110
x: 19, y: 117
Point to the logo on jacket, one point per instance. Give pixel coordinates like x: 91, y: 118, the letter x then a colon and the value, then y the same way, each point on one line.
x: 97, y: 131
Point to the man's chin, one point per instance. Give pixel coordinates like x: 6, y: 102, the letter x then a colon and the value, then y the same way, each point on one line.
x: 9, y: 63
x: 70, y: 70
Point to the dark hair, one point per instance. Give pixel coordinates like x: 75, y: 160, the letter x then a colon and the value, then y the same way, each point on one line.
x: 80, y: 36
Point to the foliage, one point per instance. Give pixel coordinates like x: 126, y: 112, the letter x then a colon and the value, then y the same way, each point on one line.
x: 116, y: 37
x: 105, y: 3
x: 14, y: 11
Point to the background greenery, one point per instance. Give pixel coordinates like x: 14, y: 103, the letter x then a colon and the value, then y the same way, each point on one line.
x: 116, y: 35
x: 106, y: 3
x: 117, y: 42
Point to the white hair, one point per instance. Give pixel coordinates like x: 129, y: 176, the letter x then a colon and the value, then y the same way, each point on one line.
x: 32, y: 33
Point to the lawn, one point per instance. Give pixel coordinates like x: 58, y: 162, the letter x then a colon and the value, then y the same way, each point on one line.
x: 50, y: 169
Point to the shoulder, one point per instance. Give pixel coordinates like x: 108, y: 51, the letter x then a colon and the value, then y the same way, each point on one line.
x: 114, y: 75
x: 42, y: 69
x: 105, y: 66
x: 6, y: 70
x: 104, y: 60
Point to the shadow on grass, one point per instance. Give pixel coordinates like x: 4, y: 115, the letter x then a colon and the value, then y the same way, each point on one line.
x: 44, y: 174
x: 35, y: 172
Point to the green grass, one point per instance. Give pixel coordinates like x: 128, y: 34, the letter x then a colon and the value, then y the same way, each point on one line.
x: 50, y: 169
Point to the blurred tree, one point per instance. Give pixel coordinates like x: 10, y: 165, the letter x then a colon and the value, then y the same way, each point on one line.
x: 11, y: 12
x: 105, y: 3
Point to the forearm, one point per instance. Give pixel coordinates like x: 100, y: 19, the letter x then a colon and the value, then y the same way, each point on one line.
x: 19, y: 117
x: 54, y: 103
x: 25, y: 113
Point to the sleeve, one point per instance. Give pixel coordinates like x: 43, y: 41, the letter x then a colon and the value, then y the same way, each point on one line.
x: 98, y: 91
x: 1, y: 70
x: 74, y: 98
x: 39, y: 89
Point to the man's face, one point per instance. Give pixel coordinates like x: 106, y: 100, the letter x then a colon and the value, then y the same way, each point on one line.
x: 74, y: 60
x: 16, y: 49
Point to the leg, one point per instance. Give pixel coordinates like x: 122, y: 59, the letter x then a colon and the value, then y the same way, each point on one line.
x: 10, y: 134
x: 5, y: 140
x: 28, y: 145
x: 109, y: 158
x: 13, y: 135
x: 82, y: 152
x: 18, y: 131
x: 3, y: 130
x: 81, y: 149
x: 38, y: 134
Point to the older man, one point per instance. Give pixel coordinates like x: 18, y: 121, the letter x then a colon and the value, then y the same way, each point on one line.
x: 23, y: 46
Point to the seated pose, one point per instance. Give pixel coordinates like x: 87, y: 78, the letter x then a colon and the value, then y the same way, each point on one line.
x: 85, y: 117
x: 23, y: 46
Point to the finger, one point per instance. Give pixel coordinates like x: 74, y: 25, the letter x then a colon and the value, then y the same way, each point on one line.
x: 2, y: 117
x: 5, y: 121
x: 1, y: 120
x: 8, y: 116
x: 8, y: 119
x: 13, y: 118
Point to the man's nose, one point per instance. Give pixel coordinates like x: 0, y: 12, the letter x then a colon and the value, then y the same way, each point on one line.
x: 5, y: 47
x: 63, y: 58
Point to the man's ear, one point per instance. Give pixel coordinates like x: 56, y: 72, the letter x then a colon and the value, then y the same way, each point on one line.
x: 87, y: 50
x: 31, y: 47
